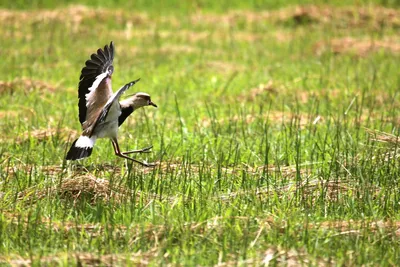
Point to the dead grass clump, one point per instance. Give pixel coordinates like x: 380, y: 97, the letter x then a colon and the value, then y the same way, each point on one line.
x: 96, y: 188
x: 26, y: 85
x: 383, y: 137
x: 73, y: 188
x: 359, y: 47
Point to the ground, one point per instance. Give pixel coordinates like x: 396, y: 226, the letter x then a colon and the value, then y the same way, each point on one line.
x: 276, y: 137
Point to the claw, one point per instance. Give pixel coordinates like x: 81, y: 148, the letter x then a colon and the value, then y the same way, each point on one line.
x: 150, y: 165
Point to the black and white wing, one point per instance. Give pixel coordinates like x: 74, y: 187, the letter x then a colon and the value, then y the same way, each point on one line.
x: 95, y: 85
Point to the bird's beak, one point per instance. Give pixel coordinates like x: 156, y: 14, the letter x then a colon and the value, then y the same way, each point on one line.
x: 152, y: 104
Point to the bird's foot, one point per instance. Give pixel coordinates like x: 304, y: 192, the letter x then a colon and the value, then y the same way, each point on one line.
x: 149, y: 164
x: 143, y: 150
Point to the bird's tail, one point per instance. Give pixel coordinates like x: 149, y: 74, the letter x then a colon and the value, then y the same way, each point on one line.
x: 81, y: 148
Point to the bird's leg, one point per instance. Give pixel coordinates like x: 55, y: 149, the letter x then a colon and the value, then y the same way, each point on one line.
x: 119, y: 154
x: 143, y: 150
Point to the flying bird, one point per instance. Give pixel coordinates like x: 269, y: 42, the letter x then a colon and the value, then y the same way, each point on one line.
x: 100, y: 110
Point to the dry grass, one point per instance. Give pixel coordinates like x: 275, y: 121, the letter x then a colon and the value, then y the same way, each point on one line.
x: 326, y: 15
x: 136, y: 232
x: 41, y: 135
x: 152, y: 233
x: 26, y: 85
x: 383, y: 137
x: 180, y: 168
x: 73, y: 16
x: 9, y: 114
x: 308, y: 190
x: 191, y: 39
x: 75, y: 187
x: 359, y: 47
x: 392, y: 151
x: 350, y: 16
x: 85, y: 259
x: 29, y: 170
x: 271, y: 89
x: 54, y: 171
x: 281, y: 256
x: 302, y: 120
x: 292, y: 257
x: 47, y: 134
x: 219, y: 66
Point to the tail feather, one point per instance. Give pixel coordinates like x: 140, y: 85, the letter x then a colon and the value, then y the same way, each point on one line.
x: 81, y: 148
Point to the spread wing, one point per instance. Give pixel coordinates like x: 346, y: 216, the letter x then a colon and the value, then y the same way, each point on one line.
x: 95, y: 84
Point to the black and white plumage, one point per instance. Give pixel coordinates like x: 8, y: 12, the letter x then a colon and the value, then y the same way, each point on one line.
x: 100, y: 111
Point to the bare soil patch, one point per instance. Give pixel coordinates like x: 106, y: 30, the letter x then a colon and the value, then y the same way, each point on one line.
x: 359, y: 47
x: 26, y: 85
x: 73, y: 16
x: 374, y: 16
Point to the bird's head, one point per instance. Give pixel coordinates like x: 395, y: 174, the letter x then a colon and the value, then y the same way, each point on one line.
x: 138, y: 100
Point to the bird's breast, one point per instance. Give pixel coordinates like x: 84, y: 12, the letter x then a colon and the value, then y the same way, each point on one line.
x: 109, y: 127
x: 114, y: 112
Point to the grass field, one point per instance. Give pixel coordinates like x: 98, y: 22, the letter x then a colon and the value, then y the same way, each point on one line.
x: 276, y: 135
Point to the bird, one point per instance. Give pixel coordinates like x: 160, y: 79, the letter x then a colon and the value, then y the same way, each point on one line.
x: 101, y: 112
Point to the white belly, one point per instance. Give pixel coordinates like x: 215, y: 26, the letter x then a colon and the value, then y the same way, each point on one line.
x: 109, y: 128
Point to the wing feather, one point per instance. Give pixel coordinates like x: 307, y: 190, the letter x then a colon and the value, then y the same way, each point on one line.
x: 98, y: 64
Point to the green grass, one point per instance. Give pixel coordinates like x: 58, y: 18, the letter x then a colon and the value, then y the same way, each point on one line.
x: 261, y: 136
